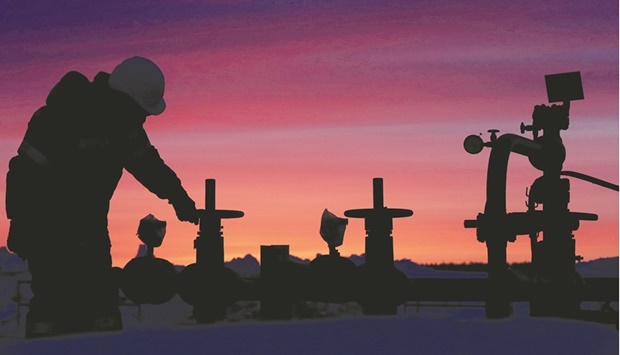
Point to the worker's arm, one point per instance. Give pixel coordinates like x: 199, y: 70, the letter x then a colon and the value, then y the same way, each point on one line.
x: 145, y: 164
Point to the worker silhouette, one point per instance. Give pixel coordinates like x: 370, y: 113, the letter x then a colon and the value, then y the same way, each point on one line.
x: 60, y: 184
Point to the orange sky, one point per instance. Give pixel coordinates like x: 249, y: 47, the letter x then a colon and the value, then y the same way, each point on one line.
x: 295, y: 107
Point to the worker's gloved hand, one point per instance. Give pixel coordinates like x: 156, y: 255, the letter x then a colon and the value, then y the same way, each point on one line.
x: 185, y: 209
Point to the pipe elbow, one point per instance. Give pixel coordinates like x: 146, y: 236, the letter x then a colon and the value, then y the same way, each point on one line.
x: 498, y: 168
x: 513, y: 143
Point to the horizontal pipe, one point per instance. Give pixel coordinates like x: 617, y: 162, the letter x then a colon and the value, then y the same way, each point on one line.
x: 593, y: 289
x: 590, y: 179
x: 470, y: 290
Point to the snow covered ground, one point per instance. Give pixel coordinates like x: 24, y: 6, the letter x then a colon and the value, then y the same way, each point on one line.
x: 336, y: 329
x: 355, y: 335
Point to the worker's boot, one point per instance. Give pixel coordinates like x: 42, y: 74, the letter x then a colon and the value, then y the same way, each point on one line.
x: 37, y: 327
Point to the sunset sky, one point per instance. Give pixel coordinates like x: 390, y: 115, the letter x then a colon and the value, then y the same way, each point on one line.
x: 295, y: 106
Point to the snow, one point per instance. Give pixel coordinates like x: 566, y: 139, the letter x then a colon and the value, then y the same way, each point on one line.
x: 367, y: 335
x: 334, y: 328
x: 605, y: 267
x: 10, y: 263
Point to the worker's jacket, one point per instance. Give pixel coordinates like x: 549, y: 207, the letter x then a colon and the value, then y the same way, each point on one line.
x: 71, y: 160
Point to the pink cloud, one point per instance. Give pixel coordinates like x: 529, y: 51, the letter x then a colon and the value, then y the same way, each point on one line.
x: 296, y: 108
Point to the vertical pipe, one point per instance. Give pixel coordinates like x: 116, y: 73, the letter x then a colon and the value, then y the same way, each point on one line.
x: 377, y: 193
x: 210, y: 244
x: 498, y: 305
x: 498, y: 168
x: 210, y: 194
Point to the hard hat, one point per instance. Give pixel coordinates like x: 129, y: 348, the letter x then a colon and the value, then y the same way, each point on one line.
x: 143, y: 81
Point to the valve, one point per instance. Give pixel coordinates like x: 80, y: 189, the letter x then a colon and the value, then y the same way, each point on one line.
x: 494, y: 133
x: 473, y: 144
x: 378, y: 225
x: 332, y: 277
x: 208, y: 284
x: 378, y: 272
x: 147, y: 279
x: 332, y: 231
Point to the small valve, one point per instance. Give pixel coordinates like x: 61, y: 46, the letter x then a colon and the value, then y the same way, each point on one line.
x: 528, y: 128
x: 151, y: 232
x: 473, y: 144
x: 332, y: 231
x: 523, y: 128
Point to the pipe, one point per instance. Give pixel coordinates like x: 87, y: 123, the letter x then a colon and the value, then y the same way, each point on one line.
x: 590, y: 179
x: 377, y: 193
x: 210, y: 194
x: 498, y: 168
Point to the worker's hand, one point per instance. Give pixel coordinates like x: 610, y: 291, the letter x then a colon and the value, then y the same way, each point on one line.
x: 185, y: 209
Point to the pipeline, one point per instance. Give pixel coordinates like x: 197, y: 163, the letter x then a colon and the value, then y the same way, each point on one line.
x: 590, y: 179
x: 498, y: 168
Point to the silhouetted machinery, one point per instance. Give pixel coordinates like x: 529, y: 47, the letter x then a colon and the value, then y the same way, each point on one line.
x: 147, y: 279
x: 556, y: 290
x: 208, y: 284
x: 381, y: 287
x: 332, y: 277
x: 559, y: 287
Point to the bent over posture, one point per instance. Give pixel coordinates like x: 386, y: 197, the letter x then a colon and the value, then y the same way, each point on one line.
x: 60, y: 184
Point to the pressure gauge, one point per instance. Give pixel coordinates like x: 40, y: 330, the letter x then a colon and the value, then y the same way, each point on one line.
x: 473, y: 144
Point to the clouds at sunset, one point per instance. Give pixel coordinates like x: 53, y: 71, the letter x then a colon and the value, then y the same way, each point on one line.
x: 294, y: 106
